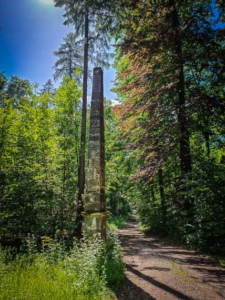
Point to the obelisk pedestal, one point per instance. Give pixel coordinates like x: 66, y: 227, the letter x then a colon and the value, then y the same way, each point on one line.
x: 94, y: 196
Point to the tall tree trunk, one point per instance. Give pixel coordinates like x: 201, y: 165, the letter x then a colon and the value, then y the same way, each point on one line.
x: 206, y: 136
x: 152, y: 192
x: 162, y: 195
x: 81, y: 171
x: 185, y: 152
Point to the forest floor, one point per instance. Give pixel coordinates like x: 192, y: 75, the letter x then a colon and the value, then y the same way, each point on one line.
x: 157, y: 269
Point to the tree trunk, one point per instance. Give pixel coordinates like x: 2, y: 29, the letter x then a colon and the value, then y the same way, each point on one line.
x: 206, y: 136
x: 81, y: 170
x: 185, y: 152
x: 162, y: 195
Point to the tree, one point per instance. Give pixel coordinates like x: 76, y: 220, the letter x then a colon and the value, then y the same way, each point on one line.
x: 69, y: 57
x: 67, y: 117
x: 169, y: 53
x: 159, y: 44
x: 48, y: 87
x: 3, y: 83
x: 39, y: 158
x: 118, y: 165
x: 16, y: 88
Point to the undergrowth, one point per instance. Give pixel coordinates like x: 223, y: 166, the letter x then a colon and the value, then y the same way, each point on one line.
x: 90, y: 270
x: 116, y: 222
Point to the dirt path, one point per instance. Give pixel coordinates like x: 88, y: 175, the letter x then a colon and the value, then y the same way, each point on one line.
x: 157, y: 270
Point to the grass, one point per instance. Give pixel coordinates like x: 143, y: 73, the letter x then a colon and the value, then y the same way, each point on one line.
x: 218, y: 260
x: 91, y: 270
x: 144, y: 228
x: 179, y: 271
x: 116, y: 222
x: 222, y: 262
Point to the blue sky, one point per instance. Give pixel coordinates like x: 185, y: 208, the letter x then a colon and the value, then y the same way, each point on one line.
x: 30, y: 31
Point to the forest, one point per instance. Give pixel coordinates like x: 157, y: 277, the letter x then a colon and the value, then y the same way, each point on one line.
x: 164, y: 139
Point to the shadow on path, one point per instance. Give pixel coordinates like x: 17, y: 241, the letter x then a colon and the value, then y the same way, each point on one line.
x: 159, y: 285
x: 131, y: 291
x: 158, y: 270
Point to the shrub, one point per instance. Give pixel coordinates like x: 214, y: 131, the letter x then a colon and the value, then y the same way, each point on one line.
x: 87, y: 271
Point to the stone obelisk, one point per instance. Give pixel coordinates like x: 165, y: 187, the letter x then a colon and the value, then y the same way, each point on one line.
x: 94, y: 196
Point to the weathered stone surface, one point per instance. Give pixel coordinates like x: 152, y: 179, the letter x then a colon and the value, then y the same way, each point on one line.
x: 94, y: 200
x: 94, y: 196
x: 95, y: 223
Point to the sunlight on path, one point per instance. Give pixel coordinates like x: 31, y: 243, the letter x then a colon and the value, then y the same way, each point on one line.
x: 158, y: 270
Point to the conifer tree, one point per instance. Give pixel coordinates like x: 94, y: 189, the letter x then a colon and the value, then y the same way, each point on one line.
x: 48, y: 87
x: 165, y: 47
x: 69, y: 57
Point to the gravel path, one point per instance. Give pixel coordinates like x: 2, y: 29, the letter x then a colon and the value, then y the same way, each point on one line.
x: 158, y: 270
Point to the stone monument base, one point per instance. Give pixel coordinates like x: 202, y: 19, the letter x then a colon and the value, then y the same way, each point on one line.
x: 94, y: 223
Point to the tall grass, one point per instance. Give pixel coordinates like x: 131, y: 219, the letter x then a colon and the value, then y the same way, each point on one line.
x: 89, y: 271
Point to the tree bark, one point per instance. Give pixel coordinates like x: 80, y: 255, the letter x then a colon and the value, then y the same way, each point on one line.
x: 81, y: 170
x: 185, y: 152
x: 162, y: 195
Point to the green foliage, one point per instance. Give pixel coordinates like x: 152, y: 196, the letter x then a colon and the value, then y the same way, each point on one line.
x: 39, y: 158
x: 96, y: 27
x: 170, y: 84
x: 116, y: 222
x: 48, y: 88
x: 117, y: 166
x: 69, y: 57
x: 208, y: 227
x: 222, y: 262
x: 112, y: 259
x: 87, y: 271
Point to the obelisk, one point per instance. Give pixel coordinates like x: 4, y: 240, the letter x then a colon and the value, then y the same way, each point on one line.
x: 94, y: 196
